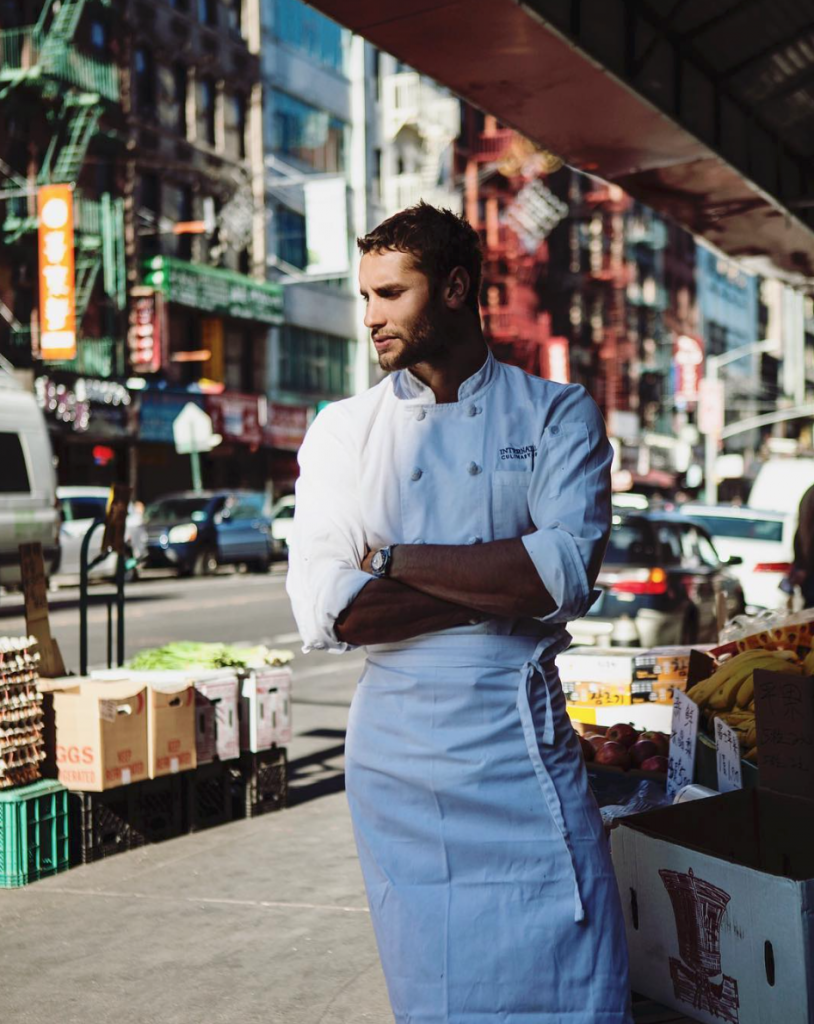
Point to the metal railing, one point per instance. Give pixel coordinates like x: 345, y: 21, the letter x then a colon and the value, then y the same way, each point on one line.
x: 96, y: 357
x: 21, y: 52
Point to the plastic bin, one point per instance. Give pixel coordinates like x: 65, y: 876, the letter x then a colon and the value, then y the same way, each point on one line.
x: 33, y: 833
x: 260, y: 783
x: 208, y: 796
x: 103, y: 824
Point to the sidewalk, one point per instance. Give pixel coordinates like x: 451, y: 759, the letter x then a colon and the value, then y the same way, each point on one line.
x: 263, y: 920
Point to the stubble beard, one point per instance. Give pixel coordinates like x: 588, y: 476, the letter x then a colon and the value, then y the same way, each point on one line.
x: 424, y: 344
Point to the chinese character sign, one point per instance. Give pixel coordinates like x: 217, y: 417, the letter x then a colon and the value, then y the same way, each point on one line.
x: 728, y: 757
x: 56, y: 262
x: 683, y: 738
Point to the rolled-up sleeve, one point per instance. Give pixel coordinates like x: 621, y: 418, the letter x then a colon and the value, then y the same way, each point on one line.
x: 328, y: 542
x: 570, y: 503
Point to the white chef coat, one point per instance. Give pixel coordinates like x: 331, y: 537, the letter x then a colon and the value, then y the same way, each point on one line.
x: 514, y: 455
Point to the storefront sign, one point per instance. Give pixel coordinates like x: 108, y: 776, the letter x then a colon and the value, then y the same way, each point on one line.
x: 215, y: 291
x: 158, y: 412
x: 97, y: 407
x: 56, y: 272
x: 238, y: 417
x: 144, y: 332
x: 286, y: 426
x: 688, y: 361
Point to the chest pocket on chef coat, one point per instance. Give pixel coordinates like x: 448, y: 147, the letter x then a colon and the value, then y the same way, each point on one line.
x: 565, y: 449
x: 510, y: 502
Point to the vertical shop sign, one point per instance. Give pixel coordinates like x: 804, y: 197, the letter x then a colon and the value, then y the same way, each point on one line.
x: 56, y: 271
x: 144, y: 332
x: 688, y: 360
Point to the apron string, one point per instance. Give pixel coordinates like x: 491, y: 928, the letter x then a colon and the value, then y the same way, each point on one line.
x: 547, y: 786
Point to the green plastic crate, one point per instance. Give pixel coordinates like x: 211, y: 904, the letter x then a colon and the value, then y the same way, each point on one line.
x: 33, y: 833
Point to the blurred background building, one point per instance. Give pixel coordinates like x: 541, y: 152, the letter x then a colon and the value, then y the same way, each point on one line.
x: 224, y: 155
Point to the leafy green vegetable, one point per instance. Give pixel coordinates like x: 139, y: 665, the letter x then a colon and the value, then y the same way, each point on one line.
x: 184, y: 654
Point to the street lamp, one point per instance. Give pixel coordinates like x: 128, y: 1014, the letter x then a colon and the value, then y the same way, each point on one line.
x: 714, y: 431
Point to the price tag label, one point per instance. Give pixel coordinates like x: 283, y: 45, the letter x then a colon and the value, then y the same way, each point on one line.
x: 683, y: 738
x: 728, y: 756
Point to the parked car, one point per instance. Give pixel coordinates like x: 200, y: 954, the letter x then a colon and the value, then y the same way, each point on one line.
x: 659, y: 584
x: 195, y: 533
x: 28, y: 505
x: 78, y: 507
x: 764, y: 540
x: 282, y: 522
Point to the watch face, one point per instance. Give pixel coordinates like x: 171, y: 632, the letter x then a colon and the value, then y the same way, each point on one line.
x: 377, y: 562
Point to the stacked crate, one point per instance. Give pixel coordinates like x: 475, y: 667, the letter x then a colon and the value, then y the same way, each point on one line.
x: 22, y: 747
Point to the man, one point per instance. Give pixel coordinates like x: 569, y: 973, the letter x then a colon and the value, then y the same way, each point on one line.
x: 451, y: 520
x: 802, y: 571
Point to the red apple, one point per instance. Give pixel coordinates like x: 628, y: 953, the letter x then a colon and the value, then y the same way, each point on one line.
x: 661, y: 741
x: 596, y: 740
x: 655, y: 764
x: 623, y: 733
x: 641, y: 750
x: 613, y: 753
x: 587, y: 748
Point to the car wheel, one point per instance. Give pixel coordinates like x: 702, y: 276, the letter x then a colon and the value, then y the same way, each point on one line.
x: 206, y: 562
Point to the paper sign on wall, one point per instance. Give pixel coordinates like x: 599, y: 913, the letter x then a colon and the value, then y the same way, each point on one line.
x: 728, y: 756
x: 683, y: 738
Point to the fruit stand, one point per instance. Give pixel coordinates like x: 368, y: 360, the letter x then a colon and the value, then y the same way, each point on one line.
x: 184, y: 737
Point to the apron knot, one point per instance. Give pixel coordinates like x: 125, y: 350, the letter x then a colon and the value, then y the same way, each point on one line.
x: 531, y: 669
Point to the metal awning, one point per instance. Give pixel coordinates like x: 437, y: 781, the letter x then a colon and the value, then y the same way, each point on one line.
x: 704, y: 109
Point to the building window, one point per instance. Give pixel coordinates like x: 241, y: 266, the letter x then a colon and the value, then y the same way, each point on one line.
x: 236, y: 126
x: 308, y: 134
x: 310, y: 32
x: 234, y: 15
x: 377, y: 171
x: 291, y: 246
x: 180, y: 86
x: 98, y: 38
x: 145, y: 81
x: 206, y: 110
x: 314, y: 363
x: 208, y: 12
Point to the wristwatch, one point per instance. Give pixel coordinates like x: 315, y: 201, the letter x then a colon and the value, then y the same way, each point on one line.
x: 381, y: 561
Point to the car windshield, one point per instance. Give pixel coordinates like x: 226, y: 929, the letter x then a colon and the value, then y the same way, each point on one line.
x: 631, y: 543
x: 82, y: 508
x: 741, y: 527
x: 177, y: 510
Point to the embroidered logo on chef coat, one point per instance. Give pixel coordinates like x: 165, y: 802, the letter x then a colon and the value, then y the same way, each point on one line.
x: 528, y: 451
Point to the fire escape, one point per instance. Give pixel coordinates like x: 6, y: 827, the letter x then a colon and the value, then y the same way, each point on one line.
x: 514, y: 325
x: 43, y: 72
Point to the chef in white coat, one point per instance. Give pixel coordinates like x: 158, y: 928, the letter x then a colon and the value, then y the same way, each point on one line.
x: 451, y: 520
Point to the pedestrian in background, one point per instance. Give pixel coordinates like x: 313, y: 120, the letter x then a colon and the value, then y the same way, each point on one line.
x: 452, y: 520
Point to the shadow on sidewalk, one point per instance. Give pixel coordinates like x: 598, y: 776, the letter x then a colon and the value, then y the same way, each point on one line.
x: 317, y: 775
x: 57, y: 604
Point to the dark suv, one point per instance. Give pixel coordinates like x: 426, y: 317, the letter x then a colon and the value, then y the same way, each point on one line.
x: 195, y: 533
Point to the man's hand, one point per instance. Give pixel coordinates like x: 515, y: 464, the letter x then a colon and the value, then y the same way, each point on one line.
x: 365, y: 566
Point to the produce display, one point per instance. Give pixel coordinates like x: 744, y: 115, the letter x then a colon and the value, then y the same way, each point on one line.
x: 729, y: 693
x: 21, y: 717
x: 623, y: 746
x: 187, y: 654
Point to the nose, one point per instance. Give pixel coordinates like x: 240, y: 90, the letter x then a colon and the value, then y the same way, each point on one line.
x: 373, y: 315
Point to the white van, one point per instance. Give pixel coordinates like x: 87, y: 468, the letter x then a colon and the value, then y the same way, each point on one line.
x: 780, y: 484
x: 28, y: 505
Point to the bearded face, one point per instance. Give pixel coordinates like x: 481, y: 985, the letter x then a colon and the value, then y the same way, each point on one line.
x: 404, y: 315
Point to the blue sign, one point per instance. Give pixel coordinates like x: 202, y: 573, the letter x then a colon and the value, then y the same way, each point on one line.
x: 159, y: 410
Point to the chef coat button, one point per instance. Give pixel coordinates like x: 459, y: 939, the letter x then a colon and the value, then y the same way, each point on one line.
x: 473, y: 468
x: 416, y: 474
x: 555, y: 430
x: 420, y: 414
x: 472, y: 410
x: 475, y: 540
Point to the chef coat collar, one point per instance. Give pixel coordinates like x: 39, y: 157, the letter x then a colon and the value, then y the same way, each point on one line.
x: 407, y: 386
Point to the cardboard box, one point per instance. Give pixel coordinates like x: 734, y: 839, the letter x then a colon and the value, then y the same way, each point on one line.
x: 658, y: 717
x: 101, y: 733
x: 663, y: 670
x: 612, y: 665
x: 170, y: 728
x: 265, y: 708
x: 716, y: 896
x: 217, y: 729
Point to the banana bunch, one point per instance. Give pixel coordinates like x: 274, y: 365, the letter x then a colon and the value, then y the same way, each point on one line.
x: 743, y: 722
x: 732, y: 685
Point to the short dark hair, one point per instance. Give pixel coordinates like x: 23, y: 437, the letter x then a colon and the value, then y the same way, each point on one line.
x: 438, y: 240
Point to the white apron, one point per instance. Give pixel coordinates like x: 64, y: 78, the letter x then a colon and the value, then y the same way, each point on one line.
x: 487, y: 870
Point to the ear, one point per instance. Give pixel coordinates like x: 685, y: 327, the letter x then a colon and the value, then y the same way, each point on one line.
x: 457, y: 288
